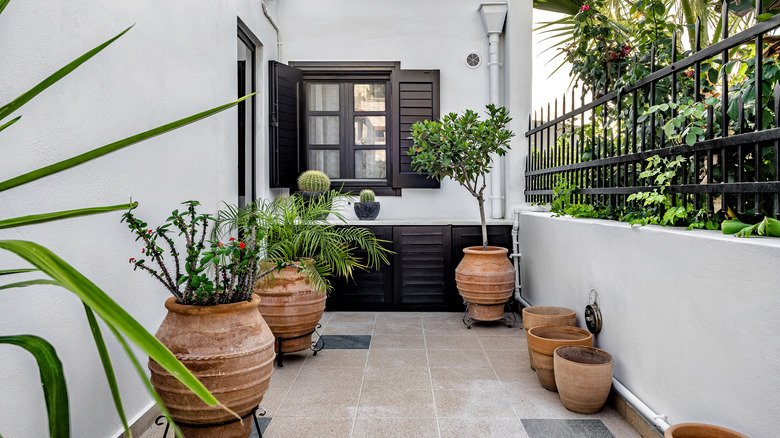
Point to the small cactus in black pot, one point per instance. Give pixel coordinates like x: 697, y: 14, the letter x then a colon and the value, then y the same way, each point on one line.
x: 311, y: 185
x: 367, y: 208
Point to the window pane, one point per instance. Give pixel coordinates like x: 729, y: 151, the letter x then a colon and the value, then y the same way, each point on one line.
x: 370, y: 130
x: 323, y: 129
x: 369, y: 97
x: 323, y: 97
x: 325, y: 161
x: 370, y: 164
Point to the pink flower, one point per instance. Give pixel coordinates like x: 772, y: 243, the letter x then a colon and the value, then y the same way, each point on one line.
x: 689, y: 73
x: 584, y: 8
x: 132, y: 260
x: 241, y: 245
x: 232, y: 239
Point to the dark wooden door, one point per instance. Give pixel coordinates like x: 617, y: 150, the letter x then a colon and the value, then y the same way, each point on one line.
x: 368, y: 289
x: 421, y: 263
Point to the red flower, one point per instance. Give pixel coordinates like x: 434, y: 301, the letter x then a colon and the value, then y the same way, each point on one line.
x: 143, y: 250
x: 689, y: 73
x: 232, y: 239
x: 148, y: 231
x: 241, y: 245
x: 131, y: 260
x: 219, y: 244
x: 584, y: 8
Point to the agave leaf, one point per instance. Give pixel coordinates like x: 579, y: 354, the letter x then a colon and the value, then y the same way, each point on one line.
x: 772, y: 227
x: 107, y: 309
x: 47, y: 217
x: 9, y: 123
x: 107, y: 367
x: 28, y: 283
x: 107, y: 149
x: 732, y: 226
x: 16, y: 271
x: 3, y: 4
x: 56, y: 76
x: 55, y: 391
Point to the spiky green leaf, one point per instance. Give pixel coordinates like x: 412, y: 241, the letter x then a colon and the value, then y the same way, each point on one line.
x: 47, y: 217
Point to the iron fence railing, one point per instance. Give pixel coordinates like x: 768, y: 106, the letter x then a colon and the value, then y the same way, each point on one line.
x: 735, y: 166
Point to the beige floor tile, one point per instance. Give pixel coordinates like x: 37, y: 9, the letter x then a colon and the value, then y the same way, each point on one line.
x: 348, y: 328
x: 337, y: 358
x: 482, y: 428
x: 399, y: 316
x: 451, y: 342
x: 330, y: 377
x: 352, y: 317
x: 454, y: 327
x: 457, y: 403
x: 397, y: 342
x: 507, y: 358
x: 398, y: 327
x: 616, y: 423
x: 473, y: 379
x: 367, y: 427
x: 518, y: 373
x: 293, y: 360
x: 537, y: 402
x: 394, y: 402
x: 387, y: 378
x: 458, y: 358
x: 504, y: 342
x: 312, y: 400
x: 498, y: 328
x: 280, y: 384
x: 397, y: 358
x: 288, y: 427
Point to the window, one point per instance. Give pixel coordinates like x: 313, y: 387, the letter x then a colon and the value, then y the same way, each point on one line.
x: 351, y: 120
x: 246, y: 120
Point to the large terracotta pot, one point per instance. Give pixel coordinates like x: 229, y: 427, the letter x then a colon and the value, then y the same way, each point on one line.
x: 545, y: 315
x: 698, y: 430
x: 291, y: 307
x: 544, y: 339
x: 583, y: 376
x: 229, y: 348
x: 487, y: 280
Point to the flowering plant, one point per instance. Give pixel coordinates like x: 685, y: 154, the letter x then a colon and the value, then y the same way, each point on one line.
x: 225, y: 272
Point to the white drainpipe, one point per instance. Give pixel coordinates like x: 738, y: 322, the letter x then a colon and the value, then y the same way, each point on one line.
x: 493, y: 16
x: 276, y: 28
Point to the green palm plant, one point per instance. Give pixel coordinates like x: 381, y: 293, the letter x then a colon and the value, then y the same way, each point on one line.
x: 57, y: 272
x: 294, y: 230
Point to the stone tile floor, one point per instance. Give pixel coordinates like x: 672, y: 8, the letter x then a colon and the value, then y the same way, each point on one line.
x: 423, y: 375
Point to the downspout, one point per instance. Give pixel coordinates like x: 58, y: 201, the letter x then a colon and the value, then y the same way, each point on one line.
x: 493, y: 16
x: 276, y: 28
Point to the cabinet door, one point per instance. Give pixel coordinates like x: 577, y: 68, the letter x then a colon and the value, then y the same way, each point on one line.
x: 367, y: 290
x: 422, y: 257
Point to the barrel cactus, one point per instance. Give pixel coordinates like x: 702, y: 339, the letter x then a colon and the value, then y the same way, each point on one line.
x: 367, y: 196
x: 313, y: 181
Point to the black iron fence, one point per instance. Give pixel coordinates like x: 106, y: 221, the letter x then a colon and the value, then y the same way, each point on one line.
x: 602, y: 147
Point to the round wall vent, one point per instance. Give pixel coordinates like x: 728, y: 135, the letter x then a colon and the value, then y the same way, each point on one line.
x: 473, y: 60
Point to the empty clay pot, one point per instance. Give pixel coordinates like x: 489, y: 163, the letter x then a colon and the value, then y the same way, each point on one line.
x: 487, y: 279
x: 583, y: 376
x: 543, y: 341
x: 545, y: 315
x: 699, y: 430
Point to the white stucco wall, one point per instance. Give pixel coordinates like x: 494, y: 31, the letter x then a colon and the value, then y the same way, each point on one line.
x: 421, y: 35
x: 690, y: 316
x: 179, y: 59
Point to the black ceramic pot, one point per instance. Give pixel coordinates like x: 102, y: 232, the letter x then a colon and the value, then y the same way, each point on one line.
x: 367, y: 210
x: 311, y: 197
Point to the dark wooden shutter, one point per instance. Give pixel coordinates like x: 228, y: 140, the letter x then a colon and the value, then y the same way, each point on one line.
x: 287, y: 127
x: 420, y: 265
x: 415, y: 98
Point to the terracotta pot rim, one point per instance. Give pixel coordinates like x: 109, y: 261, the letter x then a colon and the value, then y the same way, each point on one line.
x: 190, y: 309
x: 583, y: 331
x: 569, y: 312
x: 582, y: 347
x: 492, y: 250
x: 713, y: 427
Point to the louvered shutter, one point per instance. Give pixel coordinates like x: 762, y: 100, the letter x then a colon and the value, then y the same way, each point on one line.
x: 286, y: 124
x: 415, y: 98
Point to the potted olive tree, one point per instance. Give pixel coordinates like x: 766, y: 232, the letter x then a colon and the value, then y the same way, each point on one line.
x: 461, y: 147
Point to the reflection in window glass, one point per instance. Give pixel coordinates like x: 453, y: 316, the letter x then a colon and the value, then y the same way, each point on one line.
x: 370, y: 164
x: 370, y: 130
x: 326, y: 161
x: 369, y: 97
x: 323, y: 129
x: 323, y: 97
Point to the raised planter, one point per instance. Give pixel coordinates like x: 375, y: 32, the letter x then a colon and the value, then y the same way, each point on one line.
x: 583, y: 376
x: 229, y: 348
x: 544, y: 339
x: 487, y: 279
x: 545, y: 315
x: 699, y: 430
x: 290, y: 307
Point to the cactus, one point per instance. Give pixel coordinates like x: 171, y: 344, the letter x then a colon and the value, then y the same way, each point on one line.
x: 367, y: 196
x: 313, y: 181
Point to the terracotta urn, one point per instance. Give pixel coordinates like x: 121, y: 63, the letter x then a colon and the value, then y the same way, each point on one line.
x: 229, y: 348
x: 583, y: 376
x: 291, y: 307
x: 486, y: 279
x: 699, y: 430
x: 544, y: 339
x: 545, y: 315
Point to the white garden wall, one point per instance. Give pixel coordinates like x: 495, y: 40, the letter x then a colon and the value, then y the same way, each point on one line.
x: 179, y: 59
x: 690, y: 316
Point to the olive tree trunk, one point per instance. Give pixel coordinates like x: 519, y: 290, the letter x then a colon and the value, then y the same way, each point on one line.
x: 481, y: 201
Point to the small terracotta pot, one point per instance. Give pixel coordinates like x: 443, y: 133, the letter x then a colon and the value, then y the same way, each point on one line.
x: 229, y: 348
x: 544, y: 339
x: 487, y: 279
x: 545, y: 315
x: 699, y: 430
x: 583, y: 376
x: 290, y: 306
